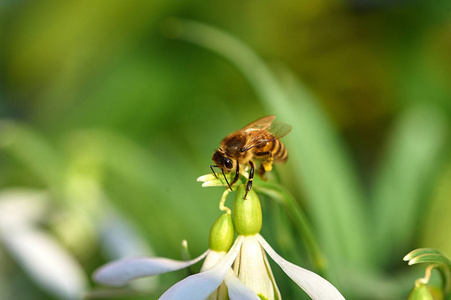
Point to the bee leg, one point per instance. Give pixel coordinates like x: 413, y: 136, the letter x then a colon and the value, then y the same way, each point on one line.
x: 262, y: 171
x: 214, y: 173
x: 266, y: 164
x: 251, y: 178
x: 237, y: 174
x: 226, y: 180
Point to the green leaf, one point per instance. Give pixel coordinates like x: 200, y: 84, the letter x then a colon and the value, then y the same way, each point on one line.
x: 407, y: 171
x: 33, y: 151
x: 421, y: 251
x: 431, y: 259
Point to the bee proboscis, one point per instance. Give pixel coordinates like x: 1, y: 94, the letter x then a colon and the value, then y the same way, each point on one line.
x: 258, y: 140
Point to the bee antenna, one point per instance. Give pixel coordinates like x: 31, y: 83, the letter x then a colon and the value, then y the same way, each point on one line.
x: 227, y: 180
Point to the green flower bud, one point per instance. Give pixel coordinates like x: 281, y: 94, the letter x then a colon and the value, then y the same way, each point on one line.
x: 420, y: 292
x: 247, y: 212
x: 222, y: 234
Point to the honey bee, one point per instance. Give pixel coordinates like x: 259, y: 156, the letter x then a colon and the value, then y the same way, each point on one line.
x: 258, y: 140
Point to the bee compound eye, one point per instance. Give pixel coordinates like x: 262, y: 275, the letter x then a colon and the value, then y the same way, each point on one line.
x: 228, y: 163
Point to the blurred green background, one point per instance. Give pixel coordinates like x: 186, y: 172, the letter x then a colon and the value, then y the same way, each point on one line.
x: 109, y: 111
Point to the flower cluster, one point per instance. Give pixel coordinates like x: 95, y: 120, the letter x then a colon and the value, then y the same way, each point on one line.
x: 232, y: 269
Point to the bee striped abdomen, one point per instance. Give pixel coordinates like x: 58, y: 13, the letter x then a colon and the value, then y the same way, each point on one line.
x: 279, y: 152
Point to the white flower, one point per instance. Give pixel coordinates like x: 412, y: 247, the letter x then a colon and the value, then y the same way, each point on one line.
x: 197, y: 286
x: 251, y: 277
x: 215, y: 281
x: 251, y: 274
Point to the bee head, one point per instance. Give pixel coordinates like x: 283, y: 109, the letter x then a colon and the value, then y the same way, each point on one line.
x: 222, y: 161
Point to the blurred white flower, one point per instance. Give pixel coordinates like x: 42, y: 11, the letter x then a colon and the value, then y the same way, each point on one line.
x: 41, y: 256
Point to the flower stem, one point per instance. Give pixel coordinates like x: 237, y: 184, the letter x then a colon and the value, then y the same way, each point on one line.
x: 222, y: 202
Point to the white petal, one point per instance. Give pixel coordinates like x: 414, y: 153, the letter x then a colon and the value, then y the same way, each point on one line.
x: 48, y: 264
x: 201, y: 285
x: 212, y: 180
x: 251, y: 268
x: 277, y: 294
x: 205, y: 178
x: 118, y: 273
x: 313, y: 284
x: 20, y: 207
x: 220, y: 293
x: 237, y: 289
x: 212, y: 259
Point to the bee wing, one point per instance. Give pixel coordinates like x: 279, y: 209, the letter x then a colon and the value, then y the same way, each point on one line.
x: 277, y: 131
x: 259, y: 124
